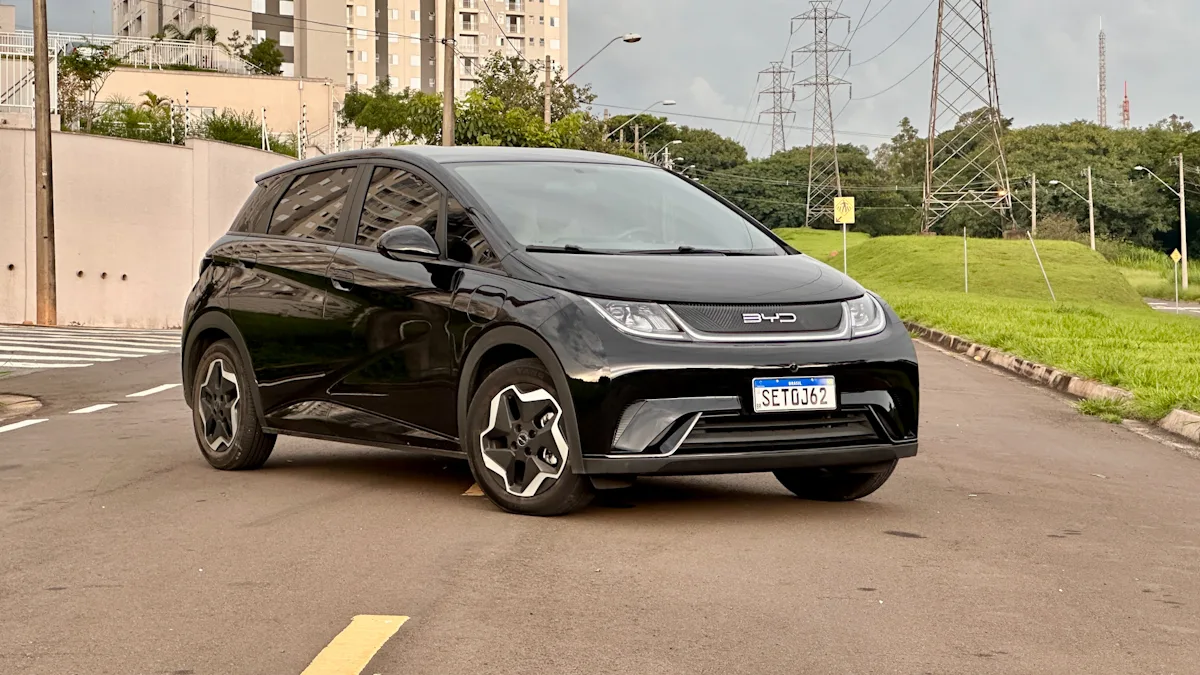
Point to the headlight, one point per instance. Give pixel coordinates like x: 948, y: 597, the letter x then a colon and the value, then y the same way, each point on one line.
x: 866, y: 317
x: 644, y: 319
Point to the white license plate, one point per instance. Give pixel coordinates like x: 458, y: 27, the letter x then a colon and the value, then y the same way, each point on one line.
x: 789, y: 394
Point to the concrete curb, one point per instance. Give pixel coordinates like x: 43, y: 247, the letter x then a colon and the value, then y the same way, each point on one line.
x: 1179, y: 422
x: 15, y: 405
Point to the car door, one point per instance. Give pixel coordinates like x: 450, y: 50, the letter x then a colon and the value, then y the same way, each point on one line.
x: 278, y: 301
x: 403, y: 319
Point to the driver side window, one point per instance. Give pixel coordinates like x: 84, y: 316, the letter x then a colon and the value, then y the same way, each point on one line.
x: 395, y: 198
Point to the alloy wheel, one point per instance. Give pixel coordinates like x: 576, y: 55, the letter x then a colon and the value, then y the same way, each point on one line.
x: 523, y: 442
x: 218, y: 406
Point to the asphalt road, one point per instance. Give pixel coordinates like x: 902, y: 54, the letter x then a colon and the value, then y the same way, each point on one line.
x: 1025, y: 538
x: 1169, y: 306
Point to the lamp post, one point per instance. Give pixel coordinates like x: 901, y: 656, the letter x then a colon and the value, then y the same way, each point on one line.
x: 1090, y: 202
x: 665, y: 149
x: 549, y: 84
x: 665, y: 102
x: 1181, y: 193
x: 629, y: 38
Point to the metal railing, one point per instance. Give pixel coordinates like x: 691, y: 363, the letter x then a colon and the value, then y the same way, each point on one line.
x: 142, y: 52
x: 16, y: 82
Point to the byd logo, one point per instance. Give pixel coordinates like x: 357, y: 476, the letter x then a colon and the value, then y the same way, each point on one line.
x: 755, y: 317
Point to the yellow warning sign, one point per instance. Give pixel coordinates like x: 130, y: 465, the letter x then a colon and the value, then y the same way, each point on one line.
x: 1176, y: 256
x: 843, y: 210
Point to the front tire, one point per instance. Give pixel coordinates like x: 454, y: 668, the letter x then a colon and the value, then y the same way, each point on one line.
x: 834, y: 484
x: 223, y: 413
x: 516, y: 443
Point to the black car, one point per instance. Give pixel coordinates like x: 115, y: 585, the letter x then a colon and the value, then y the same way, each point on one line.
x: 564, y: 320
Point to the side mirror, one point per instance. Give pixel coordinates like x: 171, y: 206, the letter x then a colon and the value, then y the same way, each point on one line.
x: 407, y: 240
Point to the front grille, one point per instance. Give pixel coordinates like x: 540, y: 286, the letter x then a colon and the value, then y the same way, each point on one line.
x: 821, y: 318
x: 741, y: 432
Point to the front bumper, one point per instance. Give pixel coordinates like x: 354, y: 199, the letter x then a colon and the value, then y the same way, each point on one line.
x: 749, y: 462
x: 655, y: 407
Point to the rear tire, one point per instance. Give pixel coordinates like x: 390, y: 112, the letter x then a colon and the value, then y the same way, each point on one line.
x: 516, y: 443
x: 838, y: 484
x: 223, y: 414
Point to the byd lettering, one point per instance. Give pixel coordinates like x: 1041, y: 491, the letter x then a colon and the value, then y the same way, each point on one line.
x: 755, y: 317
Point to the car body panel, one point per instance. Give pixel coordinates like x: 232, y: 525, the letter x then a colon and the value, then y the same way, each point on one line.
x: 348, y: 344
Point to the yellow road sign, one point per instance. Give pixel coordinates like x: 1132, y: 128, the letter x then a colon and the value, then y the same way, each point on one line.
x: 843, y: 210
x: 1176, y: 256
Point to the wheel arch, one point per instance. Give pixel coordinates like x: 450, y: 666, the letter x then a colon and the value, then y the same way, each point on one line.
x: 207, y: 329
x: 505, y: 344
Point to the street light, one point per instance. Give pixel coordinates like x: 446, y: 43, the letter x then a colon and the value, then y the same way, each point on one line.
x: 669, y: 144
x: 665, y: 102
x: 1090, y: 202
x: 629, y: 38
x: 1182, y: 194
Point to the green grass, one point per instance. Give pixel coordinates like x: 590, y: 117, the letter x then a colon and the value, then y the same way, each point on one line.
x: 1151, y: 273
x: 824, y: 245
x: 1109, y: 411
x: 1099, y: 328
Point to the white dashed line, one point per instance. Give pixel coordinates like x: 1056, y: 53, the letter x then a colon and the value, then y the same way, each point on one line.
x: 6, y: 356
x: 28, y: 365
x: 156, y: 390
x: 20, y: 425
x: 93, y: 408
x: 14, y: 348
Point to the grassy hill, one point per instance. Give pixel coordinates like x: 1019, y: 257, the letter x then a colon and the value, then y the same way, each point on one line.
x: 824, y: 245
x: 1003, y: 268
x: 1099, y: 328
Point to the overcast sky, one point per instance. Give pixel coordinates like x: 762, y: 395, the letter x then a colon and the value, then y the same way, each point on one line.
x: 706, y: 55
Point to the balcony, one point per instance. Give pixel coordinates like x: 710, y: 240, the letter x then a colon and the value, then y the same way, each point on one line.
x: 469, y: 4
x: 469, y: 24
x: 515, y: 25
x: 515, y: 6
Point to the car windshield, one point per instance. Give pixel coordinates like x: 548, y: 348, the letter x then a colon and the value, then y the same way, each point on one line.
x: 610, y: 208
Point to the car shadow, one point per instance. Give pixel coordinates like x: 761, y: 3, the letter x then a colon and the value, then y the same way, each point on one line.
x: 686, y: 498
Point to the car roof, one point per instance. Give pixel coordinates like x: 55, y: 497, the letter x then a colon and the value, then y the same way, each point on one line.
x: 428, y: 155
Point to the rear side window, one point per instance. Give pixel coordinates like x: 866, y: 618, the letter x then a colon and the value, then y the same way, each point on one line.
x: 252, y: 211
x: 397, y: 197
x: 312, y: 204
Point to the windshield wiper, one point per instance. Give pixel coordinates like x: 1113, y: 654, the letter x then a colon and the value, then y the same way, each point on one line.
x: 567, y: 248
x: 688, y: 250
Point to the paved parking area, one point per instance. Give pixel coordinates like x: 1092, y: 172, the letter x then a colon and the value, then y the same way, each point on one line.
x: 1024, y: 538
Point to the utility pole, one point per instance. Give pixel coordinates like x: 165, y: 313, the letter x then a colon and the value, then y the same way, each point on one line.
x: 549, y: 91
x: 824, y: 172
x: 965, y: 164
x: 47, y: 285
x: 637, y: 137
x: 1183, y: 220
x: 1091, y: 210
x: 1034, y: 210
x: 448, y: 76
x: 782, y: 95
x: 1102, y: 103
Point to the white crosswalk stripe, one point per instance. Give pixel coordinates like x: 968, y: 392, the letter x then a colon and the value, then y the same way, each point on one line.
x: 37, y: 347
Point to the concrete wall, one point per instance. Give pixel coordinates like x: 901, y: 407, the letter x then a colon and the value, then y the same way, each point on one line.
x: 8, y: 18
x: 282, y: 96
x: 132, y: 222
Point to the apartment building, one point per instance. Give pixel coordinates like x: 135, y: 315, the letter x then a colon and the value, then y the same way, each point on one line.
x: 369, y: 41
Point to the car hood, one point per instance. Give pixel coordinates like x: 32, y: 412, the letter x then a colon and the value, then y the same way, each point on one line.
x: 692, y: 279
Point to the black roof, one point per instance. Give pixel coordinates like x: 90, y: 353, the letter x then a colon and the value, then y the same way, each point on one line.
x: 423, y: 155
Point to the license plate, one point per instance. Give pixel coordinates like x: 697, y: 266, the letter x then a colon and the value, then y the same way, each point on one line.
x: 789, y: 394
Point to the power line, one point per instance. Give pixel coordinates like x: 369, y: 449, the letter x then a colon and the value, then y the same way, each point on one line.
x: 868, y: 134
x: 900, y: 37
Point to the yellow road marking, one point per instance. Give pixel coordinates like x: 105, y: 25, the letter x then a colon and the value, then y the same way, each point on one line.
x: 473, y: 491
x: 355, y: 646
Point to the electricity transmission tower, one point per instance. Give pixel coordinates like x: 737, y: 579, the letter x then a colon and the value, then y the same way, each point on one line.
x: 824, y: 175
x: 782, y: 96
x: 964, y: 162
x: 1102, y: 105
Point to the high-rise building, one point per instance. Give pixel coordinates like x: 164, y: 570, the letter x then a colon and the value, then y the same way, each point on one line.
x: 370, y: 41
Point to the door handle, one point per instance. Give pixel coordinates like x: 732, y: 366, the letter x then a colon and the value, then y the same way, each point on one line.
x: 341, y: 279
